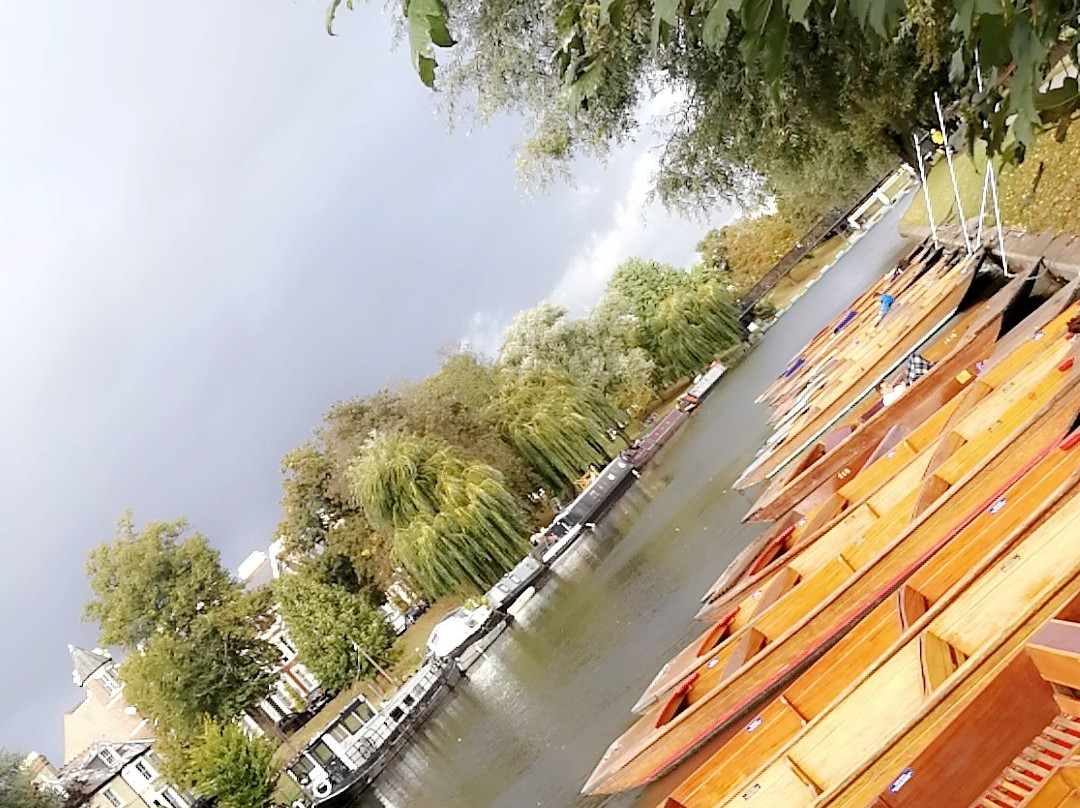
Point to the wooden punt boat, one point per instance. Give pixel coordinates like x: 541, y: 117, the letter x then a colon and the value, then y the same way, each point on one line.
x: 753, y: 664
x: 1009, y: 745
x: 914, y: 690
x: 861, y: 501
x: 977, y: 547
x: 973, y: 329
x: 854, y: 327
x: 853, y: 316
x: 874, y: 494
x: 927, y: 307
x: 860, y: 346
x: 928, y: 393
x: 855, y: 334
x: 1038, y: 760
x: 855, y: 540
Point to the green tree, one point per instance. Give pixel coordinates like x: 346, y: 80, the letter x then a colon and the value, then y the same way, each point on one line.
x: 749, y: 247
x: 641, y: 286
x: 559, y: 427
x: 596, y: 351
x: 217, y: 671
x: 455, y: 526
x: 16, y: 790
x: 336, y: 632
x: 337, y: 570
x: 190, y: 631
x: 794, y: 91
x: 157, y: 580
x: 692, y: 327
x: 318, y: 514
x: 237, y: 771
x: 683, y: 319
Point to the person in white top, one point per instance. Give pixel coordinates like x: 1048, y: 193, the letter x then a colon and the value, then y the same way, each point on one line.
x: 891, y: 392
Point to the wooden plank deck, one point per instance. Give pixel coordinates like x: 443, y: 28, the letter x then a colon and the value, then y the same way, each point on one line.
x: 795, y: 636
x: 994, y: 616
x: 977, y: 547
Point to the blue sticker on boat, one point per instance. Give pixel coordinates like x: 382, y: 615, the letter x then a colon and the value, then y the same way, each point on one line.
x: 901, y: 781
x: 754, y: 724
x: 997, y: 506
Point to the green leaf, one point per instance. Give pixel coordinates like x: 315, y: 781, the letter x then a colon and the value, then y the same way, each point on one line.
x: 428, y: 28
x: 756, y: 15
x: 957, y: 66
x: 1059, y: 103
x: 766, y: 39
x: 566, y: 25
x: 965, y: 17
x: 993, y: 40
x: 665, y: 16
x: 879, y: 16
x: 772, y: 57
x: 611, y: 11
x: 587, y: 83
x: 797, y: 10
x: 331, y: 12
x: 718, y: 23
x: 1027, y: 52
x: 884, y: 16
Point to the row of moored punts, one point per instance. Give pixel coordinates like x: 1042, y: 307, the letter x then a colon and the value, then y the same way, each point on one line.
x: 906, y: 631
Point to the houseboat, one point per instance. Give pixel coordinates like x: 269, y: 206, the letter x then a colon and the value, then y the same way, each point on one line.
x: 342, y: 761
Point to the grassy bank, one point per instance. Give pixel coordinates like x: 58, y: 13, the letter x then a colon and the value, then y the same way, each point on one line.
x: 1040, y: 194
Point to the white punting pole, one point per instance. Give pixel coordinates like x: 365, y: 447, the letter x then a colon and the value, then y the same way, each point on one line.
x: 925, y: 190
x: 991, y: 180
x: 982, y: 210
x: 952, y: 174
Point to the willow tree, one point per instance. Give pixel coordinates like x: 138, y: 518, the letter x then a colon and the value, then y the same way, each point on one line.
x: 559, y: 427
x: 683, y: 320
x: 692, y: 327
x: 807, y: 93
x: 598, y: 350
x: 455, y: 526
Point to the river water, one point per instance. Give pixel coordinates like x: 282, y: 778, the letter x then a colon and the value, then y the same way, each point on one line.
x: 537, y: 713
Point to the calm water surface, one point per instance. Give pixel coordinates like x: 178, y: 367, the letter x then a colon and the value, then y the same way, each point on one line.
x: 535, y: 716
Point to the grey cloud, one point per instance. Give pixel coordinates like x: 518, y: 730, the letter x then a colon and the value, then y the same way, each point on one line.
x: 214, y: 222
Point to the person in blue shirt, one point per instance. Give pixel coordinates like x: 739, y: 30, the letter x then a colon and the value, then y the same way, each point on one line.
x: 886, y: 303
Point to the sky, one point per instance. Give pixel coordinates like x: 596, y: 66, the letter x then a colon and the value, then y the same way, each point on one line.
x: 215, y: 222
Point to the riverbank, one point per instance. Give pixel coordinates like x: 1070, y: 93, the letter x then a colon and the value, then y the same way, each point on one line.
x: 538, y: 710
x: 532, y: 583
x: 874, y: 498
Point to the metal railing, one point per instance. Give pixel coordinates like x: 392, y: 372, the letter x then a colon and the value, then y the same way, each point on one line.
x: 826, y: 225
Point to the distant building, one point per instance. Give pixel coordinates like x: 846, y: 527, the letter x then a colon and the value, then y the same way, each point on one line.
x: 108, y: 759
x: 110, y: 775
x: 103, y: 714
x: 41, y: 772
x: 295, y: 686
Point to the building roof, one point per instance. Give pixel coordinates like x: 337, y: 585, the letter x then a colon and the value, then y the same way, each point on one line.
x: 84, y: 663
x: 256, y: 571
x: 89, y: 771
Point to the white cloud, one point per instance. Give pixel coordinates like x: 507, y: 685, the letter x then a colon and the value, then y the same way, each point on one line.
x: 638, y: 228
x: 485, y: 333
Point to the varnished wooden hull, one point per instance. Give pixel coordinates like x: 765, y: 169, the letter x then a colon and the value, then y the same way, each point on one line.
x: 977, y: 547
x: 864, y: 308
x: 848, y: 755
x: 940, y: 384
x: 720, y: 697
x: 861, y: 378
x: 1028, y: 361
